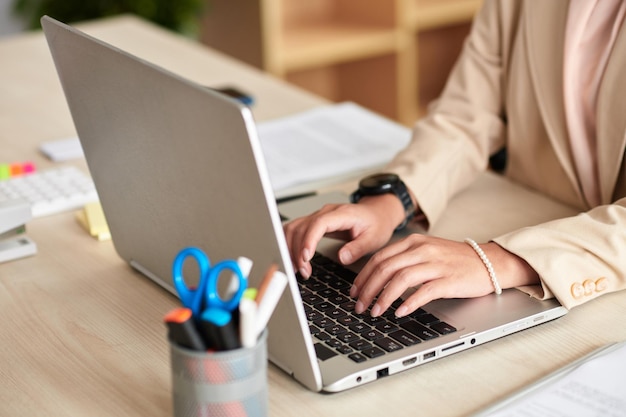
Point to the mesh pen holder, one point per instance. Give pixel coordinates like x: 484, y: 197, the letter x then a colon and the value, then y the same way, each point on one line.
x: 230, y: 383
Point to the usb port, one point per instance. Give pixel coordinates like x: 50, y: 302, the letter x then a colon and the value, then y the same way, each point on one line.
x: 429, y: 355
x: 381, y: 373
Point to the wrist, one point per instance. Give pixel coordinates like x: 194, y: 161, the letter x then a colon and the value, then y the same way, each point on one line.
x: 512, y: 270
x: 387, y: 207
x: 391, y: 185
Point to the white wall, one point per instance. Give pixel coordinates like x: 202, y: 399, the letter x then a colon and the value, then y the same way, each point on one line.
x: 9, y: 24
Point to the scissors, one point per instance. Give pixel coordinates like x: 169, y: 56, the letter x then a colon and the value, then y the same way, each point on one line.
x: 206, y: 294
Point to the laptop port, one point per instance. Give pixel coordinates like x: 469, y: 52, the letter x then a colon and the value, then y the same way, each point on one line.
x: 408, y: 362
x: 453, y: 346
x: 429, y: 355
x: 381, y: 373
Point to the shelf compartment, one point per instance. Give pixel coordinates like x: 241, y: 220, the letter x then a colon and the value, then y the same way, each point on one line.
x: 317, y: 46
x: 428, y: 14
x: 370, y: 82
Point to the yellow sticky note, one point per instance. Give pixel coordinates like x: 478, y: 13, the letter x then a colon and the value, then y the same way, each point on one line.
x: 92, y: 219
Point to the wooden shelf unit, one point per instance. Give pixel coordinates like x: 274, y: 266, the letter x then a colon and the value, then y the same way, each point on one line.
x: 368, y: 51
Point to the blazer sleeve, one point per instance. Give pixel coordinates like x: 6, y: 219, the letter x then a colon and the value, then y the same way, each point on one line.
x: 452, y: 144
x: 577, y: 258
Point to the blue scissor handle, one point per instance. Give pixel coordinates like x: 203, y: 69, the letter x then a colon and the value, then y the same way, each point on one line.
x: 213, y: 299
x: 191, y: 298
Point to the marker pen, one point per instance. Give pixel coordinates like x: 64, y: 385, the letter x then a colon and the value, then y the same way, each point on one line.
x: 267, y: 301
x: 247, y: 322
x: 182, y: 329
x: 218, y: 330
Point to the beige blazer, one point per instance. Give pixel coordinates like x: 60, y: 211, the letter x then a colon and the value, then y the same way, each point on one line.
x: 507, y: 89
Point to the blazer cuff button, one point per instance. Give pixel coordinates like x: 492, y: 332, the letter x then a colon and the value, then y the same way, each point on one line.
x: 577, y: 290
x: 589, y: 285
x: 601, y: 284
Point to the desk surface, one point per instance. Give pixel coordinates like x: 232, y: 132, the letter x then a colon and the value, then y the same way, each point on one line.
x: 82, y: 333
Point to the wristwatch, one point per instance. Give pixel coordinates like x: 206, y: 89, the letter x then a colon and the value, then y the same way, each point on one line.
x: 378, y: 184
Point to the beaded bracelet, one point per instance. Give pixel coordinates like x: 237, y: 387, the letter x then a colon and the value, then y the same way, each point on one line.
x: 483, y: 257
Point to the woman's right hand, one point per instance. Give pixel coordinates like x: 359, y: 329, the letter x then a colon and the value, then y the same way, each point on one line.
x: 366, y: 226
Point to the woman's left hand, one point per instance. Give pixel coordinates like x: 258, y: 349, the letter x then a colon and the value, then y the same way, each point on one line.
x: 440, y: 268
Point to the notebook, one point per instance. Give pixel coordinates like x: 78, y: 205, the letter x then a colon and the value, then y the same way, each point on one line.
x: 176, y: 164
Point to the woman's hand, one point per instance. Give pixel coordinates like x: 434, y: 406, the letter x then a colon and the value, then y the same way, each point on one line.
x: 366, y: 226
x: 440, y: 268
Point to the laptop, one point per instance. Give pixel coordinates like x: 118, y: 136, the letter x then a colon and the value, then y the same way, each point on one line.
x: 176, y: 164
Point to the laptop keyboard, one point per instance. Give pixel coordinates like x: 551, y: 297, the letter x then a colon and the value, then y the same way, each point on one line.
x: 340, y: 331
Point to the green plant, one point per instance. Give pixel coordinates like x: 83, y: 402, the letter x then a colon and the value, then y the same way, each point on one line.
x: 178, y: 15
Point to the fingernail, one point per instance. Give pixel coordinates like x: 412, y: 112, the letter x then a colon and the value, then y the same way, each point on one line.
x: 303, y: 272
x: 359, y: 307
x: 345, y: 257
x: 306, y: 255
x: 354, y: 291
x: 376, y: 310
x: 401, y: 311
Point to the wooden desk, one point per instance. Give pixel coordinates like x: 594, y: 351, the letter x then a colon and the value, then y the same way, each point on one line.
x: 82, y: 332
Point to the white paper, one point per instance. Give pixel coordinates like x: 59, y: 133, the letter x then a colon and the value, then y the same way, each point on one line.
x: 595, y: 388
x: 327, y: 142
x: 63, y: 149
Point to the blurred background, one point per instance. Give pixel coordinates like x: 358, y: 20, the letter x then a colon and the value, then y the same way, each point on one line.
x: 392, y: 56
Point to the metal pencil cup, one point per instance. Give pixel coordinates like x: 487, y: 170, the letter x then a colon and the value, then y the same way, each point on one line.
x: 230, y: 383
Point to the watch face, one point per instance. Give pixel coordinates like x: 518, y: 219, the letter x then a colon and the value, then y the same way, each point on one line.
x: 379, y: 182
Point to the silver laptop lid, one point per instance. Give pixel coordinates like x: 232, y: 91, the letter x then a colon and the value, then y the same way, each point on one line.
x: 177, y: 165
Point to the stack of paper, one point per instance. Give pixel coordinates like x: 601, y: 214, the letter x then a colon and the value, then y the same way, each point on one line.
x: 328, y: 142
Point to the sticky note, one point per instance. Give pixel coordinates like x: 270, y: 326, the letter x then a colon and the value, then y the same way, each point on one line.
x: 91, y: 217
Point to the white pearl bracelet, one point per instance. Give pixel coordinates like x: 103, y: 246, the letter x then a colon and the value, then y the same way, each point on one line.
x: 483, y: 257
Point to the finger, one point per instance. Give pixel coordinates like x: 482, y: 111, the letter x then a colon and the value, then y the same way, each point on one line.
x: 385, y: 267
x: 405, y: 278
x: 379, y: 263
x: 303, y: 235
x: 293, y: 232
x: 339, y: 219
x: 427, y: 292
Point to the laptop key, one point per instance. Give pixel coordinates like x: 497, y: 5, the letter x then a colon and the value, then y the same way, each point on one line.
x: 338, y: 284
x: 357, y: 357
x: 323, y: 336
x: 419, y: 330
x: 312, y: 299
x: 338, y: 299
x: 324, y: 352
x: 335, y: 330
x: 348, y: 337
x: 336, y: 313
x: 386, y: 327
x: 314, y: 330
x: 360, y: 344
x: 372, y: 334
x: 324, y: 322
x: 360, y: 327
x: 334, y: 343
x: 343, y: 349
x: 406, y: 338
x: 388, y: 344
x: 373, y: 352
x: 348, y: 305
x: 427, y: 319
x: 324, y: 306
x: 314, y: 315
x: 443, y: 328
x: 328, y: 293
x: 347, y: 321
